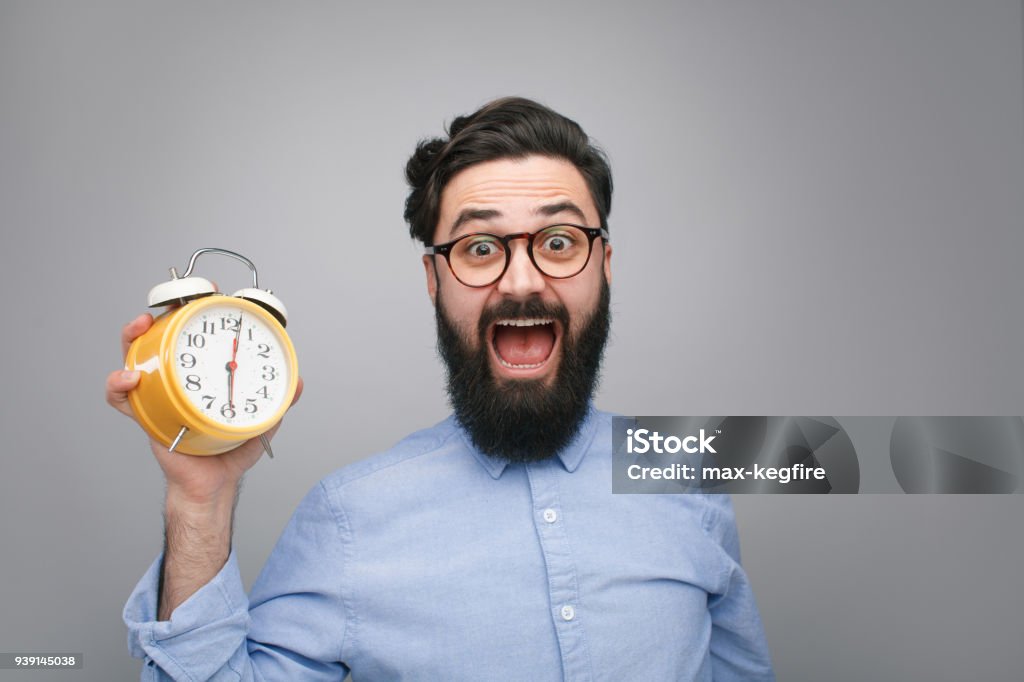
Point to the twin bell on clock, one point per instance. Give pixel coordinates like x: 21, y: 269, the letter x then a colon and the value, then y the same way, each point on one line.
x: 216, y: 370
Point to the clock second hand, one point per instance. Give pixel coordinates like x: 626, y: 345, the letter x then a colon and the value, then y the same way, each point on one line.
x: 232, y: 365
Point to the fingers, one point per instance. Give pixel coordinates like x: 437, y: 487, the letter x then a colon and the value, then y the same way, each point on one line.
x: 119, y: 383
x: 133, y: 330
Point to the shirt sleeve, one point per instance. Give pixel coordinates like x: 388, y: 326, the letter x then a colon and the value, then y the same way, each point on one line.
x: 739, y: 650
x: 292, y: 628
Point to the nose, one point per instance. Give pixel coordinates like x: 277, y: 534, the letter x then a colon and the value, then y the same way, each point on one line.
x: 521, y: 279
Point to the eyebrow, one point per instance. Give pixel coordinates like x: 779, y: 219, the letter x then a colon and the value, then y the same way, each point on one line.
x: 472, y: 214
x: 562, y: 207
x: 489, y: 214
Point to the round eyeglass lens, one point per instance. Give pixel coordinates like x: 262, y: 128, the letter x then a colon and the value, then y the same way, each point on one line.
x: 478, y: 259
x: 561, y: 250
x: 558, y: 251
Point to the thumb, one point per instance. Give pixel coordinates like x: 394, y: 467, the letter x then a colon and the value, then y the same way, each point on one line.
x: 119, y: 383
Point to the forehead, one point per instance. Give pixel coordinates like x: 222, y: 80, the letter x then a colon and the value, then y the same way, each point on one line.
x: 516, y: 189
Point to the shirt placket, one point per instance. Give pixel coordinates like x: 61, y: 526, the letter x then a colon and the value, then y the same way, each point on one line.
x: 563, y: 589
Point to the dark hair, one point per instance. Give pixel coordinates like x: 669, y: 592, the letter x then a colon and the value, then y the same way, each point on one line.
x: 512, y: 127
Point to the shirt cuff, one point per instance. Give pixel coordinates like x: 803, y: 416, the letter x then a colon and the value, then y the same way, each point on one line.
x: 203, y: 632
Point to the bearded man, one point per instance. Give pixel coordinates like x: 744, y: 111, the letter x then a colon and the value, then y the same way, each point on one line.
x: 490, y: 546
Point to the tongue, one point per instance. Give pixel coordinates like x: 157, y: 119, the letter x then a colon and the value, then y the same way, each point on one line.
x: 524, y: 345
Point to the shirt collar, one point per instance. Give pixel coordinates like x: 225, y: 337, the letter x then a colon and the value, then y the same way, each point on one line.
x: 570, y: 456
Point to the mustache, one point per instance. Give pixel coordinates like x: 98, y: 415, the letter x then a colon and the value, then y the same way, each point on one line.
x: 531, y: 307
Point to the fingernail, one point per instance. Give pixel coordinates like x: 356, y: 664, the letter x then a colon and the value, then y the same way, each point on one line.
x: 129, y: 375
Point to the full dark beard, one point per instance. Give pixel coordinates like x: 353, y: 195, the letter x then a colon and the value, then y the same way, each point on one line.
x: 523, y: 420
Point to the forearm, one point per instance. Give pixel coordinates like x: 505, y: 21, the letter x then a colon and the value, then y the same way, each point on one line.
x: 209, y: 636
x: 197, y: 544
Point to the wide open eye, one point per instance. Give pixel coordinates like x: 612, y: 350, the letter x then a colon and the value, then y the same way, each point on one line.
x: 560, y: 242
x: 478, y: 249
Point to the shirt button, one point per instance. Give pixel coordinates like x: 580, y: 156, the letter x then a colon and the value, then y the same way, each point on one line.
x: 568, y: 612
x: 550, y: 515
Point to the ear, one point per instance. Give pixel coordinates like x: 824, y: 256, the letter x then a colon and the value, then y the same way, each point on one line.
x: 608, y: 262
x: 428, y: 267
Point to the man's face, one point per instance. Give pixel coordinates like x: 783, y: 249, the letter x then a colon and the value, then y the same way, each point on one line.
x: 522, y: 353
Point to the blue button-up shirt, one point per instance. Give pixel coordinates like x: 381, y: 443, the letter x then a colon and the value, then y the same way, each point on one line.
x: 434, y: 561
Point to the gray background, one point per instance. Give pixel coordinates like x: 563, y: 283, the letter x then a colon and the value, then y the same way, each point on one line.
x: 817, y: 211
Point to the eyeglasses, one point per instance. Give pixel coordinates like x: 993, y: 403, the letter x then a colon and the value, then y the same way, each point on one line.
x: 480, y: 259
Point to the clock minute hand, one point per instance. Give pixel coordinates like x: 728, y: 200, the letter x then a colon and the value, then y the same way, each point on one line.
x: 231, y: 385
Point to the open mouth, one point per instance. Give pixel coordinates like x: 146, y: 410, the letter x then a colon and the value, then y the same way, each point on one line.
x: 524, y: 344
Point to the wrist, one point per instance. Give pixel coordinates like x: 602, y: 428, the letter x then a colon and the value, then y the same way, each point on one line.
x: 200, y: 509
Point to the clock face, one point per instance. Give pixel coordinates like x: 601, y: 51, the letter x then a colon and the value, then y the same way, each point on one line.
x: 232, y: 365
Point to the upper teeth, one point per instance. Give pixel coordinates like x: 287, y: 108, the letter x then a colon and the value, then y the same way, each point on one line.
x: 524, y: 323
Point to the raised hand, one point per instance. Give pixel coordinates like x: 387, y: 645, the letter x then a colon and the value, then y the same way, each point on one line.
x: 195, y: 477
x: 201, y: 492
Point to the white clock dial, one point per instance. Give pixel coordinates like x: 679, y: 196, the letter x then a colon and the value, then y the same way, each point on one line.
x: 232, y: 365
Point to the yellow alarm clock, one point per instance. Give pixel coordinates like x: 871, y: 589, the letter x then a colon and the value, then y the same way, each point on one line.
x: 216, y: 370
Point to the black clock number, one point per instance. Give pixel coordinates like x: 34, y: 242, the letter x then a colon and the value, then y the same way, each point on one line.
x: 194, y: 382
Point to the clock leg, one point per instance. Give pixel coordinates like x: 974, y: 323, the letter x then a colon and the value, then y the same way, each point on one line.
x: 177, y: 439
x: 266, y: 445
